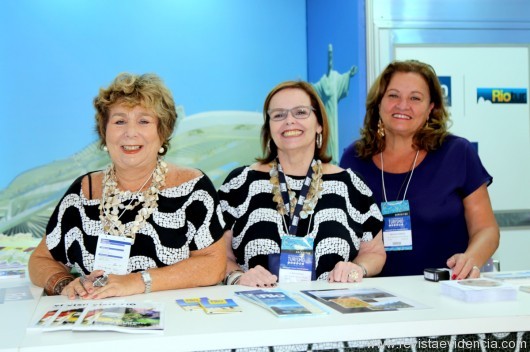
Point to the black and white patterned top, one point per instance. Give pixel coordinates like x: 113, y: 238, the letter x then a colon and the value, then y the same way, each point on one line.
x: 345, y: 216
x: 188, y: 218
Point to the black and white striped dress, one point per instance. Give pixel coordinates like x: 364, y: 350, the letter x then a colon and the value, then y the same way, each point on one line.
x: 187, y: 218
x: 345, y: 216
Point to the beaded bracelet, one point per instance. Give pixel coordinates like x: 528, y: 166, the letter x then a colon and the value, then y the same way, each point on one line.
x: 233, y: 277
x: 57, y: 282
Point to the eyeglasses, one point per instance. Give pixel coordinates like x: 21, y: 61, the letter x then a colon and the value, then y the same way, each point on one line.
x: 298, y: 112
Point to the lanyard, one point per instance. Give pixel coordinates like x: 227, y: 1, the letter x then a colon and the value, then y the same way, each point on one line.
x: 293, y: 227
x: 408, y: 182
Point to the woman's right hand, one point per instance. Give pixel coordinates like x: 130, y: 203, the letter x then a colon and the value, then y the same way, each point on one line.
x: 258, y: 277
x: 81, y: 287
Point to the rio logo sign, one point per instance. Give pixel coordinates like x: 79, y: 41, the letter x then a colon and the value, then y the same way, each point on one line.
x: 503, y: 95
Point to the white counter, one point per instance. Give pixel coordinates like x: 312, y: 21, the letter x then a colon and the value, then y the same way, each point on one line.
x: 256, y: 326
x: 16, y: 315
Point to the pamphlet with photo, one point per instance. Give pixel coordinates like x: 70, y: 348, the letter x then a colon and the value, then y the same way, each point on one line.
x: 362, y: 300
x: 128, y: 317
x: 282, y: 303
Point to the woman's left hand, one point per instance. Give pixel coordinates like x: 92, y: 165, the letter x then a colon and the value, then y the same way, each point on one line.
x: 346, y: 272
x: 463, y: 267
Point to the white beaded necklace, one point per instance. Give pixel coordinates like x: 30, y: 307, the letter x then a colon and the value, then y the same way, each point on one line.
x: 111, y: 201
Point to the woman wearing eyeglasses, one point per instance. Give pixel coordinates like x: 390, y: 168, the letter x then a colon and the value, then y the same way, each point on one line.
x: 293, y: 193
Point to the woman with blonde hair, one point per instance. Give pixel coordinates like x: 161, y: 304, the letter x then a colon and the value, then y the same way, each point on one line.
x: 142, y: 224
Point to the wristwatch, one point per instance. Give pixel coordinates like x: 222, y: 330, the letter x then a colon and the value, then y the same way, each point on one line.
x: 147, y: 280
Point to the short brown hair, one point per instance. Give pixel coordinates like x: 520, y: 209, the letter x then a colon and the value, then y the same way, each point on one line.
x: 320, y: 113
x: 428, y: 138
x: 147, y: 90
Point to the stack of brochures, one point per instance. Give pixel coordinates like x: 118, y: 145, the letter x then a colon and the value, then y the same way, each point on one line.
x: 282, y: 303
x: 117, y: 316
x: 209, y: 306
x: 512, y: 277
x: 479, y: 290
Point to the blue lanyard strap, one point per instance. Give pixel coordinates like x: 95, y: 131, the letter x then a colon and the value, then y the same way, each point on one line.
x: 295, y: 214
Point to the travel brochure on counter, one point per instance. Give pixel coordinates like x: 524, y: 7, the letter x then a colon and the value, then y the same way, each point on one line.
x: 120, y: 316
x: 148, y: 316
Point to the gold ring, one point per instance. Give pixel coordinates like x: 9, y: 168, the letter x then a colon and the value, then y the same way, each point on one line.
x: 475, y: 268
x: 353, y: 275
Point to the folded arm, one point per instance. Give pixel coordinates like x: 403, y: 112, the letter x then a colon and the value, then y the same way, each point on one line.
x: 204, y: 267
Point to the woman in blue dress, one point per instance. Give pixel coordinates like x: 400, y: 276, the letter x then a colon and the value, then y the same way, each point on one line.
x: 431, y: 185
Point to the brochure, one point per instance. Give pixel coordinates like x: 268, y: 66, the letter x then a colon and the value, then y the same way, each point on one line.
x: 513, y: 277
x: 209, y: 306
x: 282, y: 303
x: 361, y: 300
x: 219, y: 306
x: 479, y: 290
x: 117, y: 316
x: 190, y: 304
x: 61, y: 316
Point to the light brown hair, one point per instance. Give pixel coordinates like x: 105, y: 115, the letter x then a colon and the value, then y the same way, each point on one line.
x: 428, y: 138
x: 320, y: 113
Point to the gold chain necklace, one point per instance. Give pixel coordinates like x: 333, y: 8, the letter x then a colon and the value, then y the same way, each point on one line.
x: 313, y: 195
x: 111, y: 201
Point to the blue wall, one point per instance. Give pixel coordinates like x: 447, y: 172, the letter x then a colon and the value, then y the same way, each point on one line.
x: 342, y: 24
x: 213, y: 55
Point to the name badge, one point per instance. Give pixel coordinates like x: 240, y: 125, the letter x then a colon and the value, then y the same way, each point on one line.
x: 296, y: 259
x: 112, y: 254
x: 397, y: 230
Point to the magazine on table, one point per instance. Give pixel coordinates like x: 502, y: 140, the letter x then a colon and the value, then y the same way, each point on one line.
x: 61, y: 316
x: 362, y: 300
x: 521, y: 277
x: 479, y: 290
x: 282, y: 303
x: 128, y: 317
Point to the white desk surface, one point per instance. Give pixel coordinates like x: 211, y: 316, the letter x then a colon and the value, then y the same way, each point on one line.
x: 16, y: 315
x: 256, y: 326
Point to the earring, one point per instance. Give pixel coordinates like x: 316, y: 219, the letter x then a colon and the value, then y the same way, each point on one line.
x: 319, y: 140
x: 161, y: 150
x: 269, y: 145
x: 105, y: 148
x: 380, y: 129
